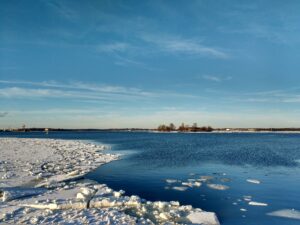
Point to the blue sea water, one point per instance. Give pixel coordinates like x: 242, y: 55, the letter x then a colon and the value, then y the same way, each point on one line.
x: 148, y: 159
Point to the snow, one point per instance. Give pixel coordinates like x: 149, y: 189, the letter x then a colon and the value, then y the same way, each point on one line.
x: 46, y: 162
x: 42, y: 182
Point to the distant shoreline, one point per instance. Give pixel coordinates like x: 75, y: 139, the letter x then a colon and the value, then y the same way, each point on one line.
x: 215, y: 130
x: 218, y: 130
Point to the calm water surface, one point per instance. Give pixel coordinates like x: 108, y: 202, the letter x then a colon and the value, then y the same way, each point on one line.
x: 148, y: 159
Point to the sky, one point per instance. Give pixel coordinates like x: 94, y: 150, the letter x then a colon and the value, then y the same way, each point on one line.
x: 117, y: 64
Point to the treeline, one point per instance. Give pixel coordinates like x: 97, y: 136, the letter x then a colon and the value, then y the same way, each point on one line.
x: 184, y: 128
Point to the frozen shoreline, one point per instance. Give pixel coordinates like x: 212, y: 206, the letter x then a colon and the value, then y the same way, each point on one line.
x: 41, y: 181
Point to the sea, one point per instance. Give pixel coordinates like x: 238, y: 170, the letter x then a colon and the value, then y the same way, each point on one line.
x: 251, y: 167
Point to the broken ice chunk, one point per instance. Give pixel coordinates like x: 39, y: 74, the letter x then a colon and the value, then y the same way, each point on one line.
x: 253, y: 181
x: 17, y: 192
x: 118, y: 194
x: 171, y: 181
x: 179, y: 188
x: 247, y: 198
x: 73, y: 173
x: 197, y: 184
x: 189, y: 184
x: 258, y: 203
x: 205, y: 178
x: 202, y: 217
x: 220, y: 187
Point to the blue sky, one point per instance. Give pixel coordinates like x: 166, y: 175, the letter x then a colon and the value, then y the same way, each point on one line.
x: 101, y: 64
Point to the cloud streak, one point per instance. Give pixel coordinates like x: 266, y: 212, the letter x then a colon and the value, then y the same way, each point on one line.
x: 80, y: 86
x: 62, y: 9
x: 215, y: 78
x: 41, y: 93
x: 172, y: 44
x: 149, y: 44
x: 78, y: 90
x: 114, y: 47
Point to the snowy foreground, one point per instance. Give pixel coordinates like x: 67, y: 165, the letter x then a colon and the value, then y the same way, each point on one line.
x: 42, y: 182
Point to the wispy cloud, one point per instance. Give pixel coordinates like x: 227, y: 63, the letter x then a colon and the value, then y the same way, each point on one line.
x: 108, y: 93
x: 215, y: 78
x: 289, y: 95
x: 18, y: 92
x: 62, y: 9
x: 261, y: 31
x: 113, y: 47
x: 64, y: 111
x: 174, y: 44
x: 278, y: 24
x: 126, y: 61
x: 284, y: 96
x: 80, y: 86
x: 79, y: 90
x: 125, y: 54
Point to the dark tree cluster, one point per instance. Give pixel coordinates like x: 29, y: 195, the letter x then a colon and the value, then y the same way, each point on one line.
x: 184, y: 128
x: 164, y: 127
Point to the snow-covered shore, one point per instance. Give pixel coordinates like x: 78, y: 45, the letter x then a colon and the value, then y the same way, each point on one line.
x: 42, y: 182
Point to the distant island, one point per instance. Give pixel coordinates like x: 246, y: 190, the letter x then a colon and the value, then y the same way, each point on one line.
x: 195, y: 128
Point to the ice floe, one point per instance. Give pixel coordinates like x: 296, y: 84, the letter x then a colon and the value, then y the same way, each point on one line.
x: 179, y: 188
x: 254, y: 181
x: 247, y: 198
x: 286, y: 213
x: 205, y: 178
x: 190, y: 183
x: 257, y: 203
x: 220, y: 187
x: 172, y: 181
